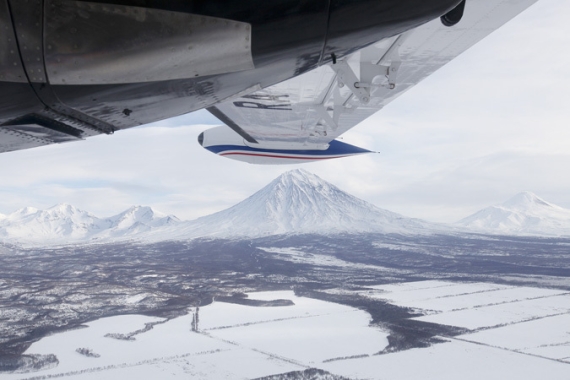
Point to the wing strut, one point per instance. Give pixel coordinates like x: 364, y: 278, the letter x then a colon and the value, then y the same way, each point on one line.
x: 387, y: 66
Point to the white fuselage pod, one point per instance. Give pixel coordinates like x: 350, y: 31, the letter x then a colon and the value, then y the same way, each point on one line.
x: 225, y: 142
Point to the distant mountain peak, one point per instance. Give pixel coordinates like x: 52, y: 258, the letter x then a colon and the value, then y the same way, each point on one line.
x: 299, y: 202
x: 299, y: 182
x: 24, y: 211
x: 299, y: 178
x: 61, y: 206
x: 526, y: 199
x: 65, y: 224
x: 525, y: 213
x: 64, y: 209
x: 137, y: 217
x: 300, y: 174
x: 142, y: 210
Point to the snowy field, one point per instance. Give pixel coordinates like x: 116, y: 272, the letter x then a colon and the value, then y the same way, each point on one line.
x: 451, y: 361
x: 518, y: 333
x: 496, y: 315
x: 441, y: 296
x: 547, y: 337
x: 233, y: 342
x: 524, y: 334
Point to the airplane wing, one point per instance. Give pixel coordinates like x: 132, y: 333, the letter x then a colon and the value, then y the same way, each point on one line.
x: 299, y: 118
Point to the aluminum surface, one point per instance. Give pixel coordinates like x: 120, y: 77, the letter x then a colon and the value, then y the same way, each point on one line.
x: 91, y: 43
x: 27, y: 16
x: 11, y: 69
x: 11, y: 140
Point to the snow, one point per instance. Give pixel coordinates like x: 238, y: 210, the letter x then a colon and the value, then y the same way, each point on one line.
x: 295, y: 255
x: 141, y: 216
x: 459, y: 296
x: 453, y: 289
x: 308, y: 332
x: 523, y: 340
x: 502, y: 314
x: 169, y: 348
x: 135, y: 299
x: 311, y: 340
x: 452, y: 360
x: 66, y: 224
x: 59, y: 221
x: 524, y: 214
x: 548, y: 337
x: 274, y: 340
x: 412, y: 286
x: 220, y: 314
x: 526, y: 336
x: 297, y: 202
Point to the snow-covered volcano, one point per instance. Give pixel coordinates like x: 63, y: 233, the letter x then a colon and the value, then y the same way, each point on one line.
x: 523, y: 214
x: 298, y: 202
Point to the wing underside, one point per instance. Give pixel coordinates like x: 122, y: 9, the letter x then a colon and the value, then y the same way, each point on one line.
x: 319, y: 106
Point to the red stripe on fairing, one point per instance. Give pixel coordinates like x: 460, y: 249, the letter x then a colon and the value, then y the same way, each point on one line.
x: 274, y: 156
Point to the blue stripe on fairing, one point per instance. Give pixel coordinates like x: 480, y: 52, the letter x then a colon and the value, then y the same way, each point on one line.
x: 335, y: 148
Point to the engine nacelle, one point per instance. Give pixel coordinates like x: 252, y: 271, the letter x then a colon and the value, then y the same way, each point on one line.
x: 225, y: 142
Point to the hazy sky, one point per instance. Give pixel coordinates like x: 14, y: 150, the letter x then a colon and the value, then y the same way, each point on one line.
x: 492, y: 123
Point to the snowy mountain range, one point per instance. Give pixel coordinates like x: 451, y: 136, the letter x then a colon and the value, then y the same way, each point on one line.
x: 523, y: 214
x: 63, y: 224
x: 296, y: 202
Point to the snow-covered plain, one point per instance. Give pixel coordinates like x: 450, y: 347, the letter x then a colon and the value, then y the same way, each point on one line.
x: 524, y: 334
x: 502, y: 314
x: 440, y: 296
x: 450, y: 361
x: 220, y: 315
x: 234, y: 342
x: 474, y: 305
x: 309, y: 333
x: 552, y: 342
x: 516, y: 336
